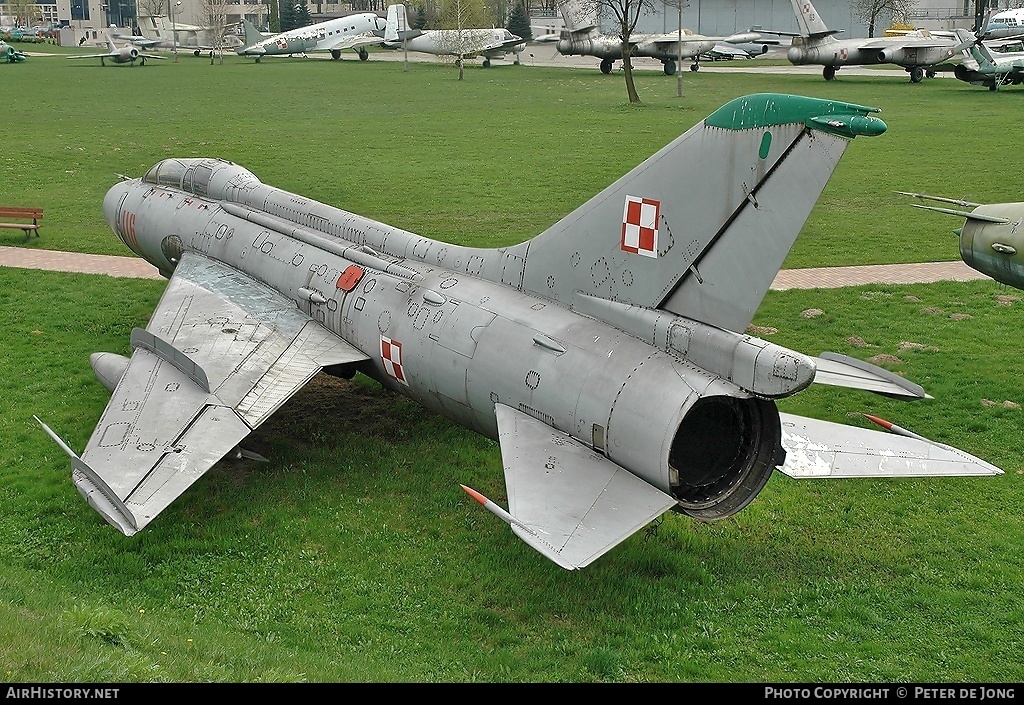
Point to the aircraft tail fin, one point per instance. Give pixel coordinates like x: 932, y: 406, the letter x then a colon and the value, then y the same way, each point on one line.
x: 701, y: 228
x: 252, y: 35
x: 397, y: 23
x: 808, y: 19
x: 579, y: 16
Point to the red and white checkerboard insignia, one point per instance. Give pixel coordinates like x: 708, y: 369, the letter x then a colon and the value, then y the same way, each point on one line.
x: 844, y: 54
x: 391, y: 355
x: 640, y: 226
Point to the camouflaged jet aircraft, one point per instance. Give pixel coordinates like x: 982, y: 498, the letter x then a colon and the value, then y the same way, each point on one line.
x: 919, y: 52
x: 349, y: 32
x: 608, y: 355
x: 991, y: 238
x: 9, y: 54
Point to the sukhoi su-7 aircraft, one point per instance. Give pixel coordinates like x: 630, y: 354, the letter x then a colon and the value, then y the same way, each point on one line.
x: 607, y: 355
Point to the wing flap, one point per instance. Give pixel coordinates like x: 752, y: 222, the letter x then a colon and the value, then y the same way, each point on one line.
x: 817, y: 448
x: 570, y: 503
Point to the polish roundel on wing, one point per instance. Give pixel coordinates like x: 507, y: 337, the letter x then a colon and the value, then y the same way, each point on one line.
x: 391, y: 356
x: 640, y: 226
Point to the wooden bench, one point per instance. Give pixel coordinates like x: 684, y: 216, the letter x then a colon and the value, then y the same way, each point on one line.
x: 35, y: 214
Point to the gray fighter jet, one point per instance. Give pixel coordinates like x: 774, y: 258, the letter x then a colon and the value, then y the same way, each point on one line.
x: 607, y: 355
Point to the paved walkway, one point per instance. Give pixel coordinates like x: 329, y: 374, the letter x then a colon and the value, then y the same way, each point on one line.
x: 812, y: 278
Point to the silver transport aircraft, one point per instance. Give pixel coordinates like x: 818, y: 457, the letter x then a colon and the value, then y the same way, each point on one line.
x: 492, y: 43
x: 608, y: 355
x: 350, y: 32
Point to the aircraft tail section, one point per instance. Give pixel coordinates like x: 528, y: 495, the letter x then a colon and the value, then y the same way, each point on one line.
x: 808, y: 19
x: 397, y: 23
x: 578, y: 15
x: 252, y: 35
x: 701, y: 228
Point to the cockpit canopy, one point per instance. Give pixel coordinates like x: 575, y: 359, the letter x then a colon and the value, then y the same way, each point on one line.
x: 197, y: 176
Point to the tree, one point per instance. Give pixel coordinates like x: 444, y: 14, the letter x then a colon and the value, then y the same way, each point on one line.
x: 519, y: 22
x: 152, y: 8
x: 627, y: 14
x: 868, y: 11
x: 24, y: 11
x: 458, y: 20
x: 273, y: 16
x: 286, y: 12
x: 214, y: 15
x: 421, y: 17
x: 302, y: 17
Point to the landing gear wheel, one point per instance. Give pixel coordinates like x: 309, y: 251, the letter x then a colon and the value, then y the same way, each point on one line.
x: 197, y: 52
x: 363, y: 54
x: 929, y: 73
x: 487, y: 63
x: 606, y: 66
x: 670, y: 68
x: 829, y: 72
x: 335, y: 54
x: 257, y: 59
x: 916, y: 74
x: 695, y: 66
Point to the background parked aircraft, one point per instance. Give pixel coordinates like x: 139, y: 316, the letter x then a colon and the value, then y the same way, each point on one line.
x: 982, y: 67
x: 350, y: 32
x: 492, y: 43
x: 10, y: 54
x: 991, y: 238
x: 584, y: 38
x: 127, y: 54
x: 918, y: 51
x: 1005, y: 24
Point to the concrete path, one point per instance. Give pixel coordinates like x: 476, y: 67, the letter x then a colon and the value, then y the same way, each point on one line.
x: 811, y: 278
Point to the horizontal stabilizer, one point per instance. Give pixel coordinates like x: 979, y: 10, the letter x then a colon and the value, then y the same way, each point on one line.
x: 844, y: 371
x: 566, y: 501
x: 824, y: 449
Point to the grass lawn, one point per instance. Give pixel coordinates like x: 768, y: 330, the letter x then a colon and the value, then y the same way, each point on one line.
x: 353, y: 555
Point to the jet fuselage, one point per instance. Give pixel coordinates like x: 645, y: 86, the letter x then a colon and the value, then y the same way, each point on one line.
x: 459, y: 344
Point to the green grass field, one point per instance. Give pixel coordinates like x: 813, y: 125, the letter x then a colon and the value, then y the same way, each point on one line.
x: 353, y: 555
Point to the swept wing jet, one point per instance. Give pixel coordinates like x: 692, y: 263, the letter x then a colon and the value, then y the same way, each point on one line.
x: 583, y: 37
x: 127, y: 54
x: 9, y: 54
x: 991, y: 238
x: 607, y: 355
x: 492, y: 43
x: 350, y: 32
x: 918, y: 51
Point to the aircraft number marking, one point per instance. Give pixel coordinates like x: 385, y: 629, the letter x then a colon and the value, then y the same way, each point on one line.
x: 128, y: 229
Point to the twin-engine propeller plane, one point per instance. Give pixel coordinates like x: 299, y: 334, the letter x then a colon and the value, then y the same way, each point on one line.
x: 607, y: 355
x: 356, y: 31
